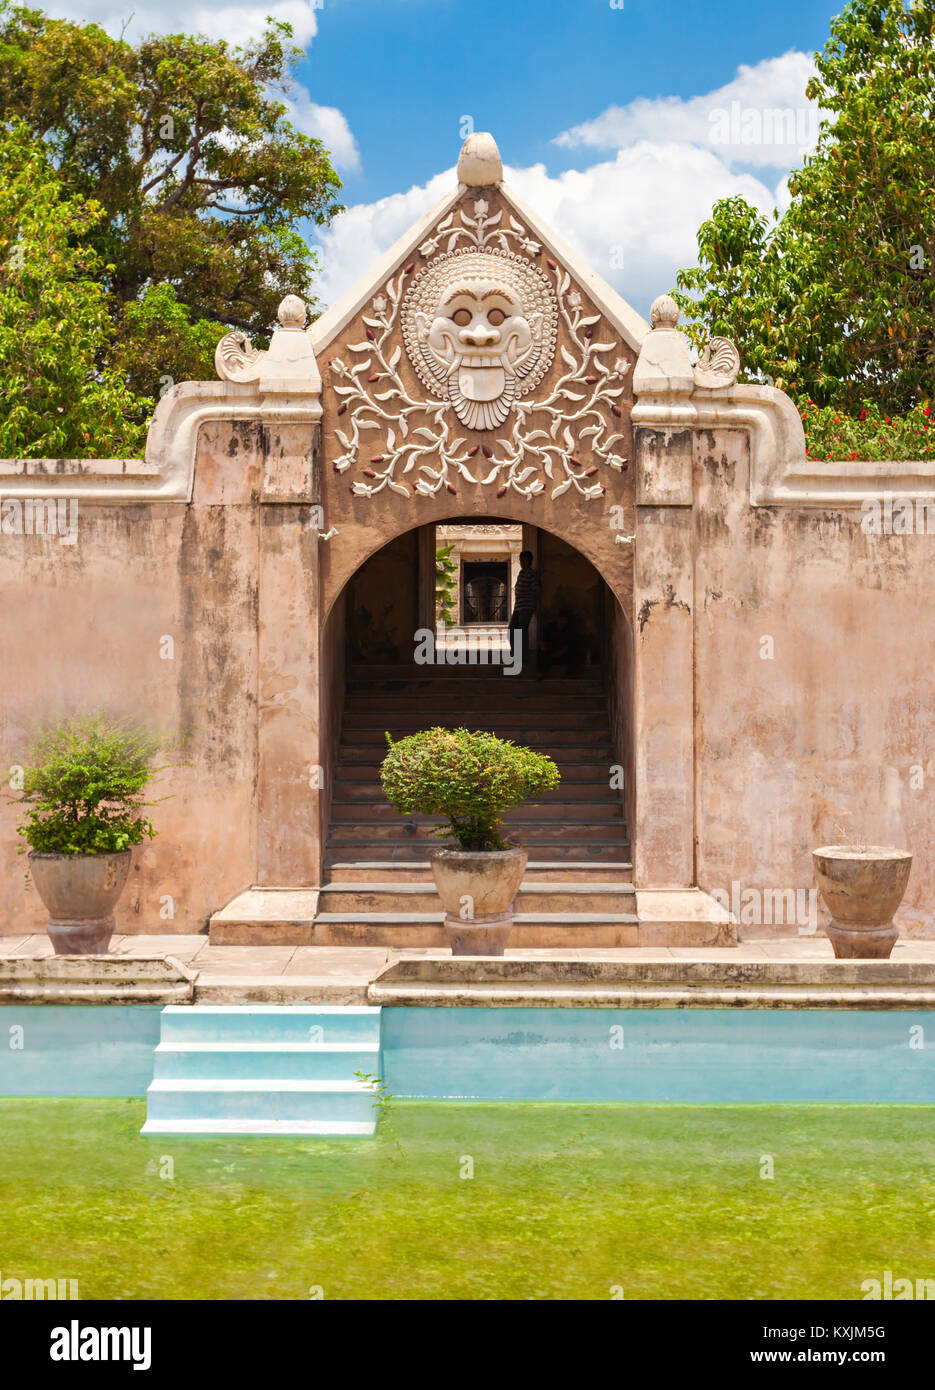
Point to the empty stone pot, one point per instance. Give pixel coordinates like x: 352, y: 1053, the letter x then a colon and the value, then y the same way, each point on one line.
x: 80, y: 892
x: 862, y: 889
x: 477, y: 889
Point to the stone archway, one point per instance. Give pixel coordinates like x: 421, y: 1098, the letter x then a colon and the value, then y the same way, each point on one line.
x: 373, y: 674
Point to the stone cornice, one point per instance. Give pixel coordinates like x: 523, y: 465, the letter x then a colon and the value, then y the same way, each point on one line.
x: 167, y: 473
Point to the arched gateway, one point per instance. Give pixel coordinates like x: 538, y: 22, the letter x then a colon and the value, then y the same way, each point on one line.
x: 480, y: 374
x: 261, y: 578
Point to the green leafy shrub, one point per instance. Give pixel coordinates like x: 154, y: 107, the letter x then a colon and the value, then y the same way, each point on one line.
x: 445, y: 589
x: 872, y: 434
x: 82, y: 782
x: 468, y: 778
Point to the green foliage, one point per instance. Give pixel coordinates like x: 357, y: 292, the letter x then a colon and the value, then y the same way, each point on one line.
x: 830, y: 434
x: 197, y: 179
x: 157, y: 328
x: 835, y: 299
x: 445, y: 572
x: 383, y: 1099
x: 56, y: 399
x: 468, y: 778
x: 82, y: 782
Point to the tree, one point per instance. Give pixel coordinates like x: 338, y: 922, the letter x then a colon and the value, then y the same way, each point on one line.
x: 835, y: 300
x: 56, y: 400
x: 200, y: 176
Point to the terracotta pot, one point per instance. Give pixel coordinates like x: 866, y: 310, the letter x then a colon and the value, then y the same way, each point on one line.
x: 862, y: 888
x: 477, y: 891
x: 81, y: 892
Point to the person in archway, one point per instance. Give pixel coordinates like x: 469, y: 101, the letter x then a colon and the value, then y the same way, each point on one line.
x: 526, y: 594
x: 560, y: 645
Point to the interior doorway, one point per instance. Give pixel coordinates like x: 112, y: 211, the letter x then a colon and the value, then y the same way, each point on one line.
x: 485, y: 592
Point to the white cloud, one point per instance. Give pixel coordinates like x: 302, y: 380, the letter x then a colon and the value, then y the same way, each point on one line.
x: 358, y: 237
x: 236, y: 23
x: 634, y: 215
x: 760, y: 118
x: 633, y: 218
x: 327, y: 124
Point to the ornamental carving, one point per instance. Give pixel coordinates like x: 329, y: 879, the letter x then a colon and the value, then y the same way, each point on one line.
x: 482, y: 325
x: 479, y: 328
x: 718, y: 365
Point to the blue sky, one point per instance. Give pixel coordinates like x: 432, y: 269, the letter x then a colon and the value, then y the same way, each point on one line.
x: 405, y: 72
x: 612, y: 119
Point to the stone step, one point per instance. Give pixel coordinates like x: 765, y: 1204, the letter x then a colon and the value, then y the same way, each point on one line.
x: 249, y: 1061
x: 505, y: 699
x: 352, y: 790
x: 593, y: 810
x: 453, y: 713
x: 281, y: 1128
x: 352, y: 774
x: 268, y: 1102
x: 414, y: 848
x: 555, y: 897
x: 518, y: 726
x: 269, y: 1023
x: 426, y: 929
x: 526, y: 832
x: 369, y: 750
x: 361, y: 871
x: 417, y: 680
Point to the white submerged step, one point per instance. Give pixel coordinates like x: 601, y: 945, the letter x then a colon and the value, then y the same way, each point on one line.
x: 264, y: 1069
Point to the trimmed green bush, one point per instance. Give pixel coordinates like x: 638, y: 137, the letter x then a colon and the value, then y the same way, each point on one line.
x: 82, y: 782
x: 470, y: 779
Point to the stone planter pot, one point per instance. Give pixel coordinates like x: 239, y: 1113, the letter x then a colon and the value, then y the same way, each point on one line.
x: 80, y: 892
x: 477, y: 891
x: 862, y: 888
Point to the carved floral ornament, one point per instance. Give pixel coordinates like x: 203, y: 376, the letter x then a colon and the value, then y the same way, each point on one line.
x: 480, y: 326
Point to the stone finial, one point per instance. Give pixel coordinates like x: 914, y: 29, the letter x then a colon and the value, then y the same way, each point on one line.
x: 287, y: 365
x: 292, y: 313
x: 663, y: 368
x: 664, y: 312
x: 479, y: 163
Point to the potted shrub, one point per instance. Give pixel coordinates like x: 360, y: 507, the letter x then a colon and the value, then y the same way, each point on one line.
x: 469, y: 779
x: 82, y: 780
x: 862, y: 886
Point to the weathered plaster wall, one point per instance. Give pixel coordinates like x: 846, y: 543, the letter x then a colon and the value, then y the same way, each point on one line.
x: 382, y: 604
x: 85, y: 627
x: 817, y: 741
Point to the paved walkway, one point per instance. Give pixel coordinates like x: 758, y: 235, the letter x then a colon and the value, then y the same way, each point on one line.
x: 341, y: 974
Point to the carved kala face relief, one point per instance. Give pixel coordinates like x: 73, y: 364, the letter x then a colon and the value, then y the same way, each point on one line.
x: 481, y: 341
x: 480, y: 331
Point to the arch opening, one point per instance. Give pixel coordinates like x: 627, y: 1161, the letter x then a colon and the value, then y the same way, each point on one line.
x: 391, y: 664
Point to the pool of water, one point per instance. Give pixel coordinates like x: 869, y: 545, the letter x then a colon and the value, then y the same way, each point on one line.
x: 675, y: 1055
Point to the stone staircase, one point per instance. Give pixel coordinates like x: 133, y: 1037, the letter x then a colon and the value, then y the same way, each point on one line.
x: 378, y: 887
x: 264, y: 1069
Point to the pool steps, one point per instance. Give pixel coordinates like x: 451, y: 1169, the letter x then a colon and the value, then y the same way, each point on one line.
x: 264, y: 1069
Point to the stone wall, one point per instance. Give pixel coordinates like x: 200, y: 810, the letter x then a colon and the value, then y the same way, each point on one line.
x: 152, y: 614
x: 814, y: 695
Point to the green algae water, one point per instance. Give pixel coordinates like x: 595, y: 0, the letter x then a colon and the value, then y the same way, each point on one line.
x: 474, y: 1201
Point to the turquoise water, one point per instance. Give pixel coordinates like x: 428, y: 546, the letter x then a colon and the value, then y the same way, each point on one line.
x: 678, y: 1055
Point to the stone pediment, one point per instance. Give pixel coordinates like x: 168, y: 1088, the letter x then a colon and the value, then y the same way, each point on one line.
x: 478, y: 353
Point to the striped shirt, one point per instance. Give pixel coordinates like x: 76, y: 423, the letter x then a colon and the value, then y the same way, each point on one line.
x: 527, y: 585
